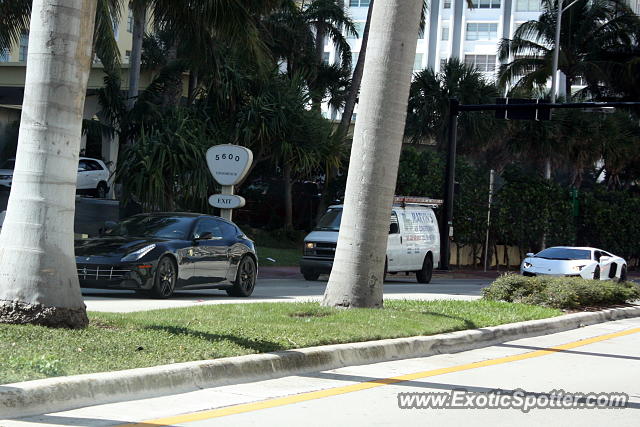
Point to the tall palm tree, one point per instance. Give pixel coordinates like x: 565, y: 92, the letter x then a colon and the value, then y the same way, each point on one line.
x: 357, y: 274
x: 587, y: 26
x: 38, y: 277
x: 428, y: 109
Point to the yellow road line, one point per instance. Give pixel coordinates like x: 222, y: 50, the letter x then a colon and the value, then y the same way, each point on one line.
x: 281, y: 401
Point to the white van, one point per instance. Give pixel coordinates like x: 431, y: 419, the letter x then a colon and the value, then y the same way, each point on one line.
x: 413, y: 245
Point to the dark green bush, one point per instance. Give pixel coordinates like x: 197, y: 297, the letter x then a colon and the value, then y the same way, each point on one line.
x: 560, y: 292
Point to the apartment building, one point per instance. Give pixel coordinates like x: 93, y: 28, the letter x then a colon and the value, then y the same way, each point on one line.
x: 13, y: 64
x: 454, y: 30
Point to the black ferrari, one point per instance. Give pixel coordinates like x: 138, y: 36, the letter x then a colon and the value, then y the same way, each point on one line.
x: 159, y: 253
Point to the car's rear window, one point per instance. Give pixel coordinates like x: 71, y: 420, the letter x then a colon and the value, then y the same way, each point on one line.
x: 564, y: 254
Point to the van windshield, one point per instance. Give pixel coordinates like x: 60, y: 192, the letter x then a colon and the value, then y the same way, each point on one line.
x: 330, y: 221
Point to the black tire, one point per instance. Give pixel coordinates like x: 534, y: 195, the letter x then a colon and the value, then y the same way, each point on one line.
x: 384, y: 275
x: 101, y: 190
x: 623, y: 274
x: 245, y: 280
x: 164, y: 282
x: 310, y: 275
x: 596, y: 273
x: 424, y: 275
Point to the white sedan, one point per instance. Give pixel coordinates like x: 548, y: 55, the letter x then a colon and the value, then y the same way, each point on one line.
x: 588, y: 263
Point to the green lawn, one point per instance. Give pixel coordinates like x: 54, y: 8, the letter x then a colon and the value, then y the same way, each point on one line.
x: 133, y: 340
x: 283, y: 257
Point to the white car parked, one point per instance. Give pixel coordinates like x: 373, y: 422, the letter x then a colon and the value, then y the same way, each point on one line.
x: 588, y: 263
x: 93, y: 176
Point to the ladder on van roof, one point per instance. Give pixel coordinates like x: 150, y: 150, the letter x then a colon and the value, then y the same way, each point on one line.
x: 415, y: 200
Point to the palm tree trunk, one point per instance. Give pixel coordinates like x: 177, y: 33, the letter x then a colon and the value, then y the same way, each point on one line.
x: 288, y: 198
x: 316, y: 98
x: 357, y: 274
x: 349, y: 106
x: 38, y: 277
x: 135, y: 60
x: 193, y: 86
x: 350, y: 103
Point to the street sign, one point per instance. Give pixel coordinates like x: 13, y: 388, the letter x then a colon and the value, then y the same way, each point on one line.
x: 229, y: 163
x: 226, y: 201
x: 537, y: 111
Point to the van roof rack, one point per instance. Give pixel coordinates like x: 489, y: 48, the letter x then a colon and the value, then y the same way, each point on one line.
x: 404, y: 200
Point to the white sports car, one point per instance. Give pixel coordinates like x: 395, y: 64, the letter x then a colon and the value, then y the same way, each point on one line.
x: 588, y: 263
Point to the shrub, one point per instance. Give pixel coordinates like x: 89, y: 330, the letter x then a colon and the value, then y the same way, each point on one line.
x: 560, y: 292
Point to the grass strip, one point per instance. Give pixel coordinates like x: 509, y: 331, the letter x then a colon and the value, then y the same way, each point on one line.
x: 116, y: 341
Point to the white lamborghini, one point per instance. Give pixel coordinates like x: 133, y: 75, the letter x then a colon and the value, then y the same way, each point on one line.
x: 588, y: 263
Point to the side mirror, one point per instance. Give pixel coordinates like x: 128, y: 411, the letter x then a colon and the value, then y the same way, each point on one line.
x: 108, y: 226
x: 204, y: 236
x: 530, y: 254
x: 394, y: 228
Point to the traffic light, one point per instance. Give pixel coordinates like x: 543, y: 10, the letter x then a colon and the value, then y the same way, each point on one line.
x: 537, y: 111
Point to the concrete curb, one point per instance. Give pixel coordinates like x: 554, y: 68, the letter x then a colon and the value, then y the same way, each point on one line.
x: 59, y: 394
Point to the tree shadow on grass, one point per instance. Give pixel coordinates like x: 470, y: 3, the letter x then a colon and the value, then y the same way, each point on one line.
x: 468, y: 324
x: 257, y: 345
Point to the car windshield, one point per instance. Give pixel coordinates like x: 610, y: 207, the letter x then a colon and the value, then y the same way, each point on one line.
x: 564, y: 254
x: 9, y: 164
x: 165, y: 227
x: 330, y: 221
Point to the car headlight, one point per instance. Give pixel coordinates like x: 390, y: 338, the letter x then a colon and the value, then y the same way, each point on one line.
x: 578, y: 268
x: 135, y: 256
x: 309, y: 248
x: 310, y: 245
x: 526, y: 264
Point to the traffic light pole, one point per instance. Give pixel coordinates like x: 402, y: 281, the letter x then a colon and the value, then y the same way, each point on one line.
x: 447, y: 217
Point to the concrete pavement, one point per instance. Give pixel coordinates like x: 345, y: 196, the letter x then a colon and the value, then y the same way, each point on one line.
x: 598, y: 358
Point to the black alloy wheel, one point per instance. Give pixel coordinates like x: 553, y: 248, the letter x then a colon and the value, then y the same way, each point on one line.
x: 101, y: 191
x: 164, y: 282
x: 623, y: 274
x: 245, y: 278
x: 310, y: 275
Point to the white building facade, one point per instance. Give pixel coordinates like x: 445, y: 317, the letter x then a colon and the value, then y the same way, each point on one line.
x: 453, y: 30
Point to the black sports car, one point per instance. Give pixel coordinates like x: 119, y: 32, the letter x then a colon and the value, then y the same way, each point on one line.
x: 158, y: 253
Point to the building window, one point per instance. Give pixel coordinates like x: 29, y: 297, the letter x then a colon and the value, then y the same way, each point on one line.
x: 417, y: 62
x: 130, y: 20
x: 579, y: 81
x: 527, y: 5
x: 359, y: 3
x: 359, y: 27
x: 484, y: 63
x: 4, y: 55
x: 127, y: 55
x: 444, y: 33
x: 325, y: 57
x: 24, y: 47
x: 486, y: 4
x: 482, y: 31
x: 443, y: 63
x: 446, y: 4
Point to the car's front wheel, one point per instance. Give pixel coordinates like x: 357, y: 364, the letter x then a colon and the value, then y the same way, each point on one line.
x: 101, y: 190
x: 310, y: 275
x: 164, y: 282
x: 245, y: 278
x: 623, y: 274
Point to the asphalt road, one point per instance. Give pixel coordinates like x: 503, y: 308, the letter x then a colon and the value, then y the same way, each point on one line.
x: 595, y: 359
x: 284, y: 290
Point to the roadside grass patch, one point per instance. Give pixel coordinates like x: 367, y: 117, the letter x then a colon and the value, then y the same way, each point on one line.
x: 115, y: 341
x: 283, y: 257
x: 561, y: 292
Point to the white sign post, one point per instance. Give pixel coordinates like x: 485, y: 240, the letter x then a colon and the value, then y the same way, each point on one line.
x: 228, y: 164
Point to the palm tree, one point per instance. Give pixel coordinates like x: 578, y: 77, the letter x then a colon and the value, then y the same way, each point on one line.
x: 428, y: 109
x: 357, y: 274
x: 38, y: 278
x: 587, y: 27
